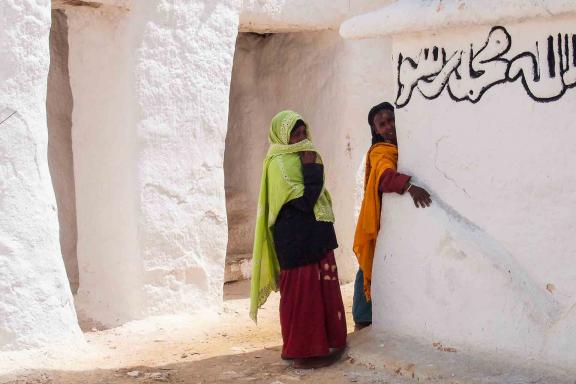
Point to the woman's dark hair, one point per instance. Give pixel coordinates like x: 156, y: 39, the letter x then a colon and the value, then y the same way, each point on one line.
x: 298, y: 124
x: 385, y: 106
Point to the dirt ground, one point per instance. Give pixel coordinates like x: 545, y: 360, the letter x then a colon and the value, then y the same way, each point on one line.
x: 225, y: 347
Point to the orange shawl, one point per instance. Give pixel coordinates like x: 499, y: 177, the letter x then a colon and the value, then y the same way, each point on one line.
x: 381, y: 156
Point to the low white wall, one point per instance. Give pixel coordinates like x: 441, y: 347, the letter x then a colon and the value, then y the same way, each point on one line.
x: 36, y: 306
x: 150, y: 89
x: 489, y: 266
x: 324, y: 78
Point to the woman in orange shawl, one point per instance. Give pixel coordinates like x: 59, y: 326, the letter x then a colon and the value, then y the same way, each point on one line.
x: 380, y: 177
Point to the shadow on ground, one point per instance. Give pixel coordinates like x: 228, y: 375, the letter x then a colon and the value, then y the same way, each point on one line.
x: 263, y: 366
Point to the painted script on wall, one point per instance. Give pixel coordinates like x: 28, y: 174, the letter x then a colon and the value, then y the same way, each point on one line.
x: 546, y: 72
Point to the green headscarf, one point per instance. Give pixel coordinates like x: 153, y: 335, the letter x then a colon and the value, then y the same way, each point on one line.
x: 281, y: 182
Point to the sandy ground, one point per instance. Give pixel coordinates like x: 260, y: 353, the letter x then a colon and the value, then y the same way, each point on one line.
x: 225, y: 347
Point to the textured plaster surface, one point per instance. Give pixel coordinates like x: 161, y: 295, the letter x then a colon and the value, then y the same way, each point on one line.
x: 36, y: 306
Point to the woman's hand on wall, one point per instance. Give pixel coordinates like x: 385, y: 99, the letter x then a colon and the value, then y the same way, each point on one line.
x: 420, y: 196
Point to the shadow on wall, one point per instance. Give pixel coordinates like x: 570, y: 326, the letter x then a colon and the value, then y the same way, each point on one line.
x: 240, y: 156
x: 59, y: 106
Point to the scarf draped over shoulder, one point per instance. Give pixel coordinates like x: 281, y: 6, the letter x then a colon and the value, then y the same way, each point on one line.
x: 281, y: 182
x: 381, y: 156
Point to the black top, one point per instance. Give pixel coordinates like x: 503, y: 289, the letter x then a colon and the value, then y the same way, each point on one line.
x: 300, y: 239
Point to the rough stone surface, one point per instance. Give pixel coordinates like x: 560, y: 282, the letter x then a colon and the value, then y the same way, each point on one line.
x: 36, y: 305
x: 487, y: 267
x: 408, y: 16
x: 334, y: 99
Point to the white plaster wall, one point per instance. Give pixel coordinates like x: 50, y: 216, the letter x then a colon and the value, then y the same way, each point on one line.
x: 150, y: 88
x: 489, y: 266
x: 324, y: 78
x: 36, y: 305
x: 184, y: 67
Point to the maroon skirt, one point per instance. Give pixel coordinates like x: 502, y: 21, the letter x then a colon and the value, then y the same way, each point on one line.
x: 312, y: 313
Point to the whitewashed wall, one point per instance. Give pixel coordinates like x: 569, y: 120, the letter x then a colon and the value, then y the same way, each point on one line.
x: 184, y: 62
x: 489, y: 266
x: 150, y: 86
x: 36, y: 306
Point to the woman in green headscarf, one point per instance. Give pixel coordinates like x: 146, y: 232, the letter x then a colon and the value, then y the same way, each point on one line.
x: 293, y: 247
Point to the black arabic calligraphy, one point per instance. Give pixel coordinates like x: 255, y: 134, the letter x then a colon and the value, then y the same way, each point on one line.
x: 546, y: 73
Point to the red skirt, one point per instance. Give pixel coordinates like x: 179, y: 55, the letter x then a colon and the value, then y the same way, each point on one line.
x: 312, y: 313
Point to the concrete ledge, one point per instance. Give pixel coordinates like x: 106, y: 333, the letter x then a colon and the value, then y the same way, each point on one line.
x: 407, y: 357
x: 407, y: 16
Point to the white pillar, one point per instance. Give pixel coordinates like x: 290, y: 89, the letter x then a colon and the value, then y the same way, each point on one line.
x: 36, y: 306
x: 150, y: 86
x: 183, y: 67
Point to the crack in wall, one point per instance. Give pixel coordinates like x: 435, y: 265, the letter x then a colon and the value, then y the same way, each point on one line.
x: 6, y: 119
x: 443, y: 173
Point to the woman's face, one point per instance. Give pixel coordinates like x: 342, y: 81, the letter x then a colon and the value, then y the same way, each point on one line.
x: 298, y: 134
x: 385, y: 125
